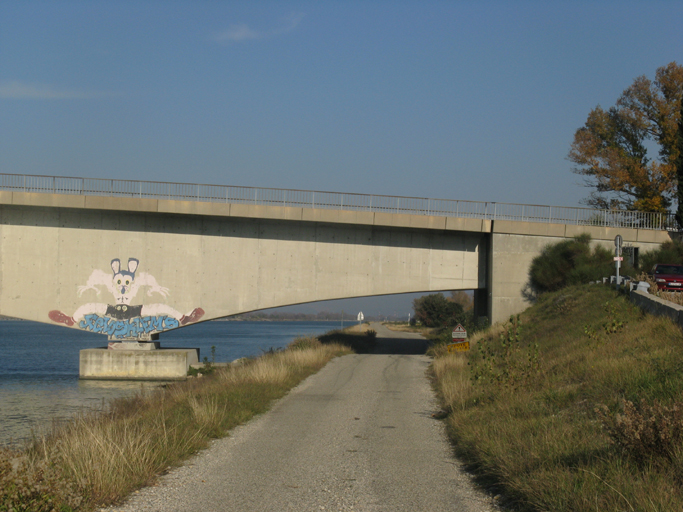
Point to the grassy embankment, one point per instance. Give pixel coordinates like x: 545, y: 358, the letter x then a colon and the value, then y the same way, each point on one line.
x: 97, y: 459
x: 406, y: 327
x: 576, y: 407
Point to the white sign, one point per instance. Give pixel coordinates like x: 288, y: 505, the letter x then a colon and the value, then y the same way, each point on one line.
x: 361, y: 317
x: 618, y: 258
x: 459, y: 333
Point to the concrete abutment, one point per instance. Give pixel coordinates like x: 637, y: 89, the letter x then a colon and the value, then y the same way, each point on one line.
x: 136, y: 364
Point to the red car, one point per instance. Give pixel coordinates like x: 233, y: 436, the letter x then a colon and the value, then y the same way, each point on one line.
x: 668, y: 277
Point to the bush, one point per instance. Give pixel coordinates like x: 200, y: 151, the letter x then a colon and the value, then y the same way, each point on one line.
x: 570, y: 262
x: 650, y: 431
x: 435, y: 310
x: 35, y: 486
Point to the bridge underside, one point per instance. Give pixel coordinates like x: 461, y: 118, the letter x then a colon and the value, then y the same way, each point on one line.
x: 134, y: 274
x: 134, y: 267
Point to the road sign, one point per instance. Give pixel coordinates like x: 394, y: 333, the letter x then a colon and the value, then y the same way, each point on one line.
x: 618, y: 241
x: 618, y: 258
x: 463, y: 346
x: 361, y: 317
x: 459, y: 333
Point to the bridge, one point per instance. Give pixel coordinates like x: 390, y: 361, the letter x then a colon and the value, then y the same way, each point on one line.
x: 131, y: 259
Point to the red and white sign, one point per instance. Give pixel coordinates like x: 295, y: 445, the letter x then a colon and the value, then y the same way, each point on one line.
x: 459, y: 333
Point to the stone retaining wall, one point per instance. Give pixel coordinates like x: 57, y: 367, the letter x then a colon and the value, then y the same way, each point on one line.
x: 656, y: 306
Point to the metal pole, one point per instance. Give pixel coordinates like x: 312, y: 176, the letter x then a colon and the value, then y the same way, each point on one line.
x: 617, y: 250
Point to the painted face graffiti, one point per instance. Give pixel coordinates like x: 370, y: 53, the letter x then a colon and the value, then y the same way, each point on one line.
x: 123, y: 320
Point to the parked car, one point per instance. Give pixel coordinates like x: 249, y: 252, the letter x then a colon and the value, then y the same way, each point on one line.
x: 668, y: 277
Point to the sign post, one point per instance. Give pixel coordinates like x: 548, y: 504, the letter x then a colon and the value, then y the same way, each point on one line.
x: 460, y: 343
x: 618, y: 241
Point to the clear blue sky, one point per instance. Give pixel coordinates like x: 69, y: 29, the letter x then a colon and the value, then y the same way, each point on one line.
x: 449, y: 99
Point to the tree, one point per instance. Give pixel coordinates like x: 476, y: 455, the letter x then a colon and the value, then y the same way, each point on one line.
x: 569, y: 262
x: 435, y: 310
x: 462, y: 298
x: 611, y: 149
x: 678, y: 163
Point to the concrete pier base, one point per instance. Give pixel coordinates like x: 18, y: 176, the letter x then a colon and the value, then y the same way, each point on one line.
x: 121, y: 364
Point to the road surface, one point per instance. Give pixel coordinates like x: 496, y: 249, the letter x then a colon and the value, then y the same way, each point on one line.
x: 359, y: 435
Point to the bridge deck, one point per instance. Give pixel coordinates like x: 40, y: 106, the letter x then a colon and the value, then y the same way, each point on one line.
x: 348, y: 202
x: 298, y: 213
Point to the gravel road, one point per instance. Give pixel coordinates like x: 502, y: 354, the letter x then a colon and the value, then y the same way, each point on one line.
x: 359, y: 435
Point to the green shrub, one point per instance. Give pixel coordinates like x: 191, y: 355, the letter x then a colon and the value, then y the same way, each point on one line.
x: 435, y: 310
x: 570, y: 262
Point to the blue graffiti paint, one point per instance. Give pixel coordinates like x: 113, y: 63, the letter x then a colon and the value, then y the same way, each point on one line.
x: 131, y: 328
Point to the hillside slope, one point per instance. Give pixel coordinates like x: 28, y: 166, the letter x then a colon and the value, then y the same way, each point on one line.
x: 571, y: 406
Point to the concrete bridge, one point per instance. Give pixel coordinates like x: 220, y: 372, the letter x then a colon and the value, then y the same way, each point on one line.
x: 131, y: 259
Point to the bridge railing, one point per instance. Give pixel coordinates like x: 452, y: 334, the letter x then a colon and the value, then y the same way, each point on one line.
x: 337, y: 201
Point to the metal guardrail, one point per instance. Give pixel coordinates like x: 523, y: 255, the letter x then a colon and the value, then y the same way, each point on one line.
x: 337, y: 201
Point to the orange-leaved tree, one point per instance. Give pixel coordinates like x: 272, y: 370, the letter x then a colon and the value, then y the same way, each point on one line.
x: 611, y: 149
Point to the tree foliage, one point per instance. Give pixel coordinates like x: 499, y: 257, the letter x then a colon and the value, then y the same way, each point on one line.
x: 678, y: 164
x: 611, y: 149
x: 569, y: 262
x: 435, y: 310
x: 462, y: 298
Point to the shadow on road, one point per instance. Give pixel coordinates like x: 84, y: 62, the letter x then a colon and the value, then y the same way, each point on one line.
x: 406, y: 346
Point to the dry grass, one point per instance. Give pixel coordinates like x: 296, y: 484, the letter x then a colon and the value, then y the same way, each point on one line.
x: 455, y: 385
x: 550, y: 441
x: 97, y: 459
x: 358, y: 328
x: 406, y: 327
x: 675, y: 297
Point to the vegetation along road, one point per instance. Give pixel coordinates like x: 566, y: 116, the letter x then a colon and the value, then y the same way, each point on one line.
x: 358, y: 435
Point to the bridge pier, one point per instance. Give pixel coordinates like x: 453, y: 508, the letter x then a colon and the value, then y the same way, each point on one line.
x: 136, y: 362
x: 513, y: 245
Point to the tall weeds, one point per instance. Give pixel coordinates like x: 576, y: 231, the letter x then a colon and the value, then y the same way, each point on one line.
x: 97, y: 459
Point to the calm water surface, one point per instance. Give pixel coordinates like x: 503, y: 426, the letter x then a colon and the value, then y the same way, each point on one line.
x: 39, y: 365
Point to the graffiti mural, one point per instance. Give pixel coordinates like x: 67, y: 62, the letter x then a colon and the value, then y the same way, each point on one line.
x: 122, y: 319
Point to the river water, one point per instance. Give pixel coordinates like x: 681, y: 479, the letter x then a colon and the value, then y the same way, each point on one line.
x: 39, y: 366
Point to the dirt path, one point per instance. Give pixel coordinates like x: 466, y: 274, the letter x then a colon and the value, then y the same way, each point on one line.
x: 359, y: 435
